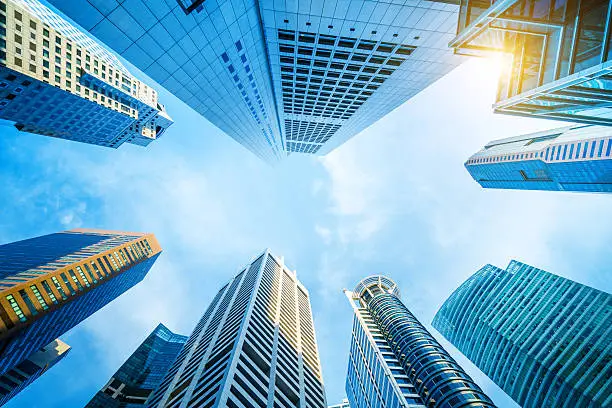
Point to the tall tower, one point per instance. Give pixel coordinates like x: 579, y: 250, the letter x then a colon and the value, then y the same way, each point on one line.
x: 24, y: 373
x: 281, y: 77
x: 543, y: 339
x: 51, y: 283
x: 142, y: 372
x: 576, y: 158
x: 558, y: 55
x: 57, y: 81
x: 395, y: 362
x: 254, y: 346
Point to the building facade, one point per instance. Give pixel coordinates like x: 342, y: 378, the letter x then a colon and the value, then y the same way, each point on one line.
x: 395, y: 362
x: 558, y: 55
x: 51, y: 283
x: 343, y: 404
x: 24, y: 373
x: 543, y: 339
x: 254, y: 346
x: 281, y: 77
x: 575, y: 158
x: 142, y: 372
x: 57, y: 81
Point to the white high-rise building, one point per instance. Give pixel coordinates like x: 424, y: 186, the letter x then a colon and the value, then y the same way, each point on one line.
x: 57, y: 81
x: 255, y: 346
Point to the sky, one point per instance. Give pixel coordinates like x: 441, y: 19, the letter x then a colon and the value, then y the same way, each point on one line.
x: 394, y: 200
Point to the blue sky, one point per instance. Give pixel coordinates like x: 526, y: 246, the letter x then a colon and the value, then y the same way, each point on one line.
x: 394, y: 200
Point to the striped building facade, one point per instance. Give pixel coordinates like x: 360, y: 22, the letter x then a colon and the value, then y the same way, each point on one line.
x: 543, y: 339
x: 394, y: 361
x: 255, y: 346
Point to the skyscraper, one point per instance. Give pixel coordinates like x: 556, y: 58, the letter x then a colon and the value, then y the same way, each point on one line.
x: 281, y: 77
x: 24, y: 373
x: 254, y: 346
x: 575, y: 158
x: 51, y: 283
x: 57, y: 81
x: 559, y: 55
x: 142, y: 372
x: 395, y: 362
x: 343, y: 404
x: 543, y: 339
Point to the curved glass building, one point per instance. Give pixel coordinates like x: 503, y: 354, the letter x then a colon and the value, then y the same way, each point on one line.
x: 395, y: 362
x: 543, y: 339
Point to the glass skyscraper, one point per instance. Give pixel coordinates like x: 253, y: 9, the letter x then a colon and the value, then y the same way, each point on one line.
x: 543, y: 339
x: 255, y: 346
x: 24, y: 373
x: 51, y: 283
x: 395, y: 362
x: 576, y: 158
x: 57, y: 81
x: 559, y: 55
x: 281, y: 77
x: 142, y: 372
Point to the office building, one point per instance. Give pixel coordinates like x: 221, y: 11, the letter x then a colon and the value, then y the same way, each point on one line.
x: 343, y: 404
x: 142, y: 372
x: 575, y: 158
x: 254, y: 346
x: 394, y: 361
x: 543, y: 339
x: 558, y: 55
x: 24, y: 373
x: 51, y: 283
x: 57, y: 81
x: 281, y: 77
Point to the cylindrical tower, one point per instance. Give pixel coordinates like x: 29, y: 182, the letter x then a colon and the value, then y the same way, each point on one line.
x: 437, y: 377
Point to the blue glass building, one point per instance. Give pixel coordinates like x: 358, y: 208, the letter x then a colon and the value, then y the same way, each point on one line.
x: 281, y: 77
x: 543, y: 339
x: 558, y: 55
x: 23, y: 374
x: 51, y: 283
x: 395, y: 362
x: 255, y: 346
x: 142, y: 372
x: 57, y: 81
x: 576, y: 158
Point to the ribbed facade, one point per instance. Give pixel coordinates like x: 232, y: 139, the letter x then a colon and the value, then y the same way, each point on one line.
x: 26, y: 372
x: 143, y: 371
x: 51, y: 283
x: 57, y: 81
x: 281, y: 77
x: 255, y: 346
x: 395, y: 362
x: 543, y: 339
x: 575, y: 158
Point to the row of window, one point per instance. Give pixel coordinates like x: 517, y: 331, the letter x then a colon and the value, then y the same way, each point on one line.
x: 570, y: 151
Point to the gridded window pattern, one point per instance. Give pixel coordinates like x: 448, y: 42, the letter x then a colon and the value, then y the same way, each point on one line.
x: 303, y: 147
x: 331, y: 77
x: 311, y: 132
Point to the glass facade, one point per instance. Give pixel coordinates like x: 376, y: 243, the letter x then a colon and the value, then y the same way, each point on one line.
x: 143, y: 371
x: 577, y: 158
x: 343, y: 404
x: 23, y: 374
x: 57, y: 81
x: 51, y: 283
x: 543, y: 339
x: 255, y: 346
x: 281, y: 77
x: 395, y: 362
x: 559, y: 55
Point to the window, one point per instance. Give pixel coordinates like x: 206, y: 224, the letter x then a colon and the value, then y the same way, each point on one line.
x: 75, y: 280
x: 59, y: 287
x: 601, y: 143
x: 593, y: 143
x: 50, y: 293
x: 39, y: 297
x: 68, y: 285
x: 93, y: 279
x: 16, y: 308
x: 82, y: 275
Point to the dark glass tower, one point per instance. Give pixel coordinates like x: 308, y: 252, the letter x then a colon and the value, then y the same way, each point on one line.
x: 543, y: 339
x: 24, y: 373
x: 395, y: 362
x: 49, y: 284
x: 142, y: 372
x: 255, y: 346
